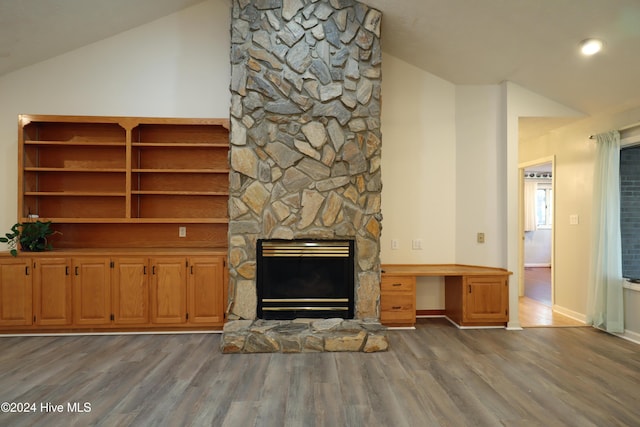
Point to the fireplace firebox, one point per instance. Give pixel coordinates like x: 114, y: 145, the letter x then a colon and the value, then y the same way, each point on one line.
x: 305, y: 278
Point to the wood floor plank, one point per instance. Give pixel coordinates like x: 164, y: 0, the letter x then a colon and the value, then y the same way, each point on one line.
x: 436, y: 375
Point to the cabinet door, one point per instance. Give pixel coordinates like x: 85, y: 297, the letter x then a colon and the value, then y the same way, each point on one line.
x: 52, y: 291
x: 15, y: 292
x: 206, y: 276
x: 168, y: 290
x: 486, y: 299
x: 130, y: 291
x: 91, y: 291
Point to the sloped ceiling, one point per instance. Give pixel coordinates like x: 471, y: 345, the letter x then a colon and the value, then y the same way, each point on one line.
x: 533, y: 43
x: 34, y: 30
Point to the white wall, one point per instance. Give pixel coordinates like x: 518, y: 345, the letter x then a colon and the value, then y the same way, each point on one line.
x: 537, y: 248
x: 418, y: 171
x: 177, y: 66
x: 480, y: 176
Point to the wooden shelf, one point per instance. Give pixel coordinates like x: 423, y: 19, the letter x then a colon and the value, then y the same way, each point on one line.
x: 78, y: 143
x: 130, y: 220
x: 181, y: 144
x: 182, y: 193
x: 180, y: 170
x: 73, y: 194
x: 132, y: 179
x: 81, y: 170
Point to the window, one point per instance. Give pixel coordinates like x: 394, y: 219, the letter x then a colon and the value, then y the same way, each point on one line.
x: 630, y: 211
x: 544, y: 205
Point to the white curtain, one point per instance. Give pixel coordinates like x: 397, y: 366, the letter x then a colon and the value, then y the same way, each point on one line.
x: 530, y: 221
x: 605, y: 305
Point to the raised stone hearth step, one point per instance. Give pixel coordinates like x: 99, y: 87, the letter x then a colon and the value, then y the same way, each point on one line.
x: 303, y: 336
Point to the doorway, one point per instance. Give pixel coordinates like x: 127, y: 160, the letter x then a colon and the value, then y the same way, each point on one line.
x: 538, y: 205
x: 536, y: 287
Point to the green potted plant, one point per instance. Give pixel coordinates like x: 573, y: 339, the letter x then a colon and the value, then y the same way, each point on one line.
x: 29, y: 237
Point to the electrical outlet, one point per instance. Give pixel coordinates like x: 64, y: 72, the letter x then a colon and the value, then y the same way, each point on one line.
x: 480, y: 237
x: 394, y: 244
x: 182, y: 231
x: 416, y: 244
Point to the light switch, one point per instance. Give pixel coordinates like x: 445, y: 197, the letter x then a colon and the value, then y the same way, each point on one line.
x: 573, y: 219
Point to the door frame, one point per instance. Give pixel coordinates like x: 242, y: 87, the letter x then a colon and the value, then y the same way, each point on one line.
x: 521, y: 169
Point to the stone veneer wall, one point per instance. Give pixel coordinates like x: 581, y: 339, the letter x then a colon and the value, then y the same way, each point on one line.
x: 305, y: 136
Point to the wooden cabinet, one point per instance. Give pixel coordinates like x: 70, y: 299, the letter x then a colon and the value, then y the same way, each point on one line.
x: 116, y: 291
x: 52, y: 294
x: 397, y: 300
x: 15, y: 292
x: 91, y: 291
x: 477, y: 300
x: 187, y: 290
x: 205, y: 296
x: 139, y: 205
x: 486, y: 299
x: 168, y: 290
x: 130, y: 290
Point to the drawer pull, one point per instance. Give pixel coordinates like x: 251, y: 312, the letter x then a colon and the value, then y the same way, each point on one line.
x: 397, y: 284
x: 396, y: 307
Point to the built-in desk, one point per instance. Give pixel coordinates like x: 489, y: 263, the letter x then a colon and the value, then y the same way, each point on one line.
x: 475, y: 296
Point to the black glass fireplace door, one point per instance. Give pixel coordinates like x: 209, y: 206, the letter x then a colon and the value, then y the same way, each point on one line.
x: 305, y: 278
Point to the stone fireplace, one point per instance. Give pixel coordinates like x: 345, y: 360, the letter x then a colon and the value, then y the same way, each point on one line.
x: 305, y: 137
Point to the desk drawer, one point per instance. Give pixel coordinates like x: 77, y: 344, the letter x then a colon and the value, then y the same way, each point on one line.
x: 397, y: 309
x: 398, y: 284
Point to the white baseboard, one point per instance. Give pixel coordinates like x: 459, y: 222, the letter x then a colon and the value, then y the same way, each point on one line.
x: 533, y: 264
x: 570, y: 313
x: 632, y: 336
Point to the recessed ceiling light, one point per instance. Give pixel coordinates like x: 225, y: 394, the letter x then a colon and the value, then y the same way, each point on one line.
x: 591, y: 46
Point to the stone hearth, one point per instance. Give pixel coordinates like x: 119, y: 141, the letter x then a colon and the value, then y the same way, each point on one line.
x: 305, y: 137
x: 303, y: 336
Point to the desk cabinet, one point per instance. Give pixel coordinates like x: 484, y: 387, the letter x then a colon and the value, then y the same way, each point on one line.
x: 477, y: 300
x: 475, y: 296
x: 398, y: 300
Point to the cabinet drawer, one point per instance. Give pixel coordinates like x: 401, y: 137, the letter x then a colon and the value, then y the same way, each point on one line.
x: 398, y: 284
x: 397, y: 307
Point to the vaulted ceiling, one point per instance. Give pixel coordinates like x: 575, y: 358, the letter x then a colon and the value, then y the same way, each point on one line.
x: 533, y: 43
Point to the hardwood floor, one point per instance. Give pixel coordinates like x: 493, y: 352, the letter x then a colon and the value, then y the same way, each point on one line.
x: 534, y: 314
x: 537, y: 284
x: 436, y: 375
x: 535, y: 306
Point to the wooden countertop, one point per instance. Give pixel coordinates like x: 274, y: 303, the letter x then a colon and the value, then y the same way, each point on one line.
x: 58, y: 252
x: 441, y: 270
